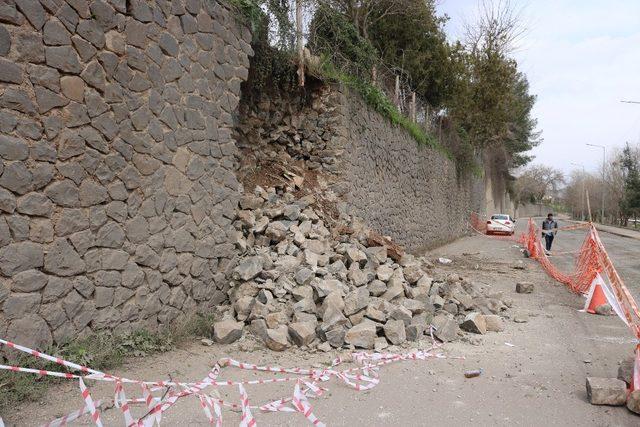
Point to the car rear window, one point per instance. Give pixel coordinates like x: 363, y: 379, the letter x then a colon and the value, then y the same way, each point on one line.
x: 500, y: 217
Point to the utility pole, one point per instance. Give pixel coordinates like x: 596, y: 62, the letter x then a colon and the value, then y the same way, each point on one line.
x: 582, y: 179
x: 604, y: 158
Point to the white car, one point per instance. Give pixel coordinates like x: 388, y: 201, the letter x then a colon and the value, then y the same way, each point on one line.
x: 501, y: 223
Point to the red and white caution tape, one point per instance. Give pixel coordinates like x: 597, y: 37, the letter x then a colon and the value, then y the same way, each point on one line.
x: 362, y: 377
x: 67, y: 418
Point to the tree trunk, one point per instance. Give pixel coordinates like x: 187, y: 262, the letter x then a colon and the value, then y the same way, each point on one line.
x: 299, y: 42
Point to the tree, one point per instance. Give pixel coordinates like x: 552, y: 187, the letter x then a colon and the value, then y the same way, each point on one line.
x: 630, y: 203
x: 538, y: 183
x: 413, y: 41
x: 492, y: 101
x: 363, y: 14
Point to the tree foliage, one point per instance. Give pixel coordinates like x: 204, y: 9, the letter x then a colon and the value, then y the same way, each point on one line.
x: 538, y: 183
x: 413, y: 42
x: 630, y: 202
x: 492, y: 100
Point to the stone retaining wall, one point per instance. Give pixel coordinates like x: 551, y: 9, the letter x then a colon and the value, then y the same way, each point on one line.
x: 117, y: 165
x: 401, y: 189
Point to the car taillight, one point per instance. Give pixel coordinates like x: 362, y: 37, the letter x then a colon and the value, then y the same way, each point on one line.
x: 488, y: 222
x: 507, y: 223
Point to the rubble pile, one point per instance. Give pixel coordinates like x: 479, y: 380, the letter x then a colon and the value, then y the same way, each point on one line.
x: 305, y: 284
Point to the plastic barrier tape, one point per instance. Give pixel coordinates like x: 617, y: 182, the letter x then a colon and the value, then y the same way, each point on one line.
x: 363, y: 376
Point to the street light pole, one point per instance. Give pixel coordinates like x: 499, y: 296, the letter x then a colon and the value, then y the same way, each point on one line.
x: 604, y: 157
x: 582, y: 193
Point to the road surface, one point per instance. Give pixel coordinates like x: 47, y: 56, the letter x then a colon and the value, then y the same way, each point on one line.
x: 533, y: 373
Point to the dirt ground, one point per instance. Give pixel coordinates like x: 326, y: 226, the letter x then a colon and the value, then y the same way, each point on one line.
x: 533, y: 373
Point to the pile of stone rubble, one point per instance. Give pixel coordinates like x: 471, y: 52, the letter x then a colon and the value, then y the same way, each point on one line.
x: 302, y: 283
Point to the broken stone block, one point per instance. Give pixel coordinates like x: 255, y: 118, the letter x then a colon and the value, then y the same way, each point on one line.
x: 414, y: 331
x: 380, y: 344
x: 633, y: 401
x: 377, y: 288
x: 446, y: 329
x: 356, y: 300
x: 524, y: 287
x: 248, y: 268
x: 494, y: 323
x: 335, y: 337
x: 413, y: 273
x: 474, y: 323
x: 276, y: 339
x: 394, y: 331
x: 362, y: 335
x: 401, y: 313
x: 304, y: 276
x: 227, y: 331
x: 302, y: 333
x: 606, y: 391
x: 384, y: 272
x: 625, y: 369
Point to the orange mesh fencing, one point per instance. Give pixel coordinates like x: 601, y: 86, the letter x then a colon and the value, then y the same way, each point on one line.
x: 591, y: 260
x: 478, y: 223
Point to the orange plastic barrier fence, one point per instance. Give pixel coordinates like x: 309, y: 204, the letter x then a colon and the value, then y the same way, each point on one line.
x: 592, y: 260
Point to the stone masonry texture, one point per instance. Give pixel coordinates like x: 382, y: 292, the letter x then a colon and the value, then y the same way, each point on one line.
x: 409, y: 192
x: 118, y: 189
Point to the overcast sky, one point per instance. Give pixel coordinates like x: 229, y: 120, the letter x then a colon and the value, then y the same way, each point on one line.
x: 581, y: 57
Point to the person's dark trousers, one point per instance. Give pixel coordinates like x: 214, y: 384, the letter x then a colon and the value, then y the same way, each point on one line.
x: 548, y: 238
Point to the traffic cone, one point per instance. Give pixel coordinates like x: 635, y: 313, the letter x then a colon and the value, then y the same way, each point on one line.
x: 597, y: 299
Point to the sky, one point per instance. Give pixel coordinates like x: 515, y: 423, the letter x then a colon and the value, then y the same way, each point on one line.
x: 582, y: 57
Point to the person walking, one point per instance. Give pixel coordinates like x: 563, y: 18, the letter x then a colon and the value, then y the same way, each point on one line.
x: 549, y: 230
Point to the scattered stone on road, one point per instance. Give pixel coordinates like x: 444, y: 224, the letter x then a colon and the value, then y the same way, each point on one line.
x: 625, y: 370
x: 606, y: 391
x: 633, y: 401
x: 494, y: 323
x: 524, y: 287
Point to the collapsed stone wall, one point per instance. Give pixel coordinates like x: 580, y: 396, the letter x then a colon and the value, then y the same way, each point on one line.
x: 117, y: 164
x: 377, y: 170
